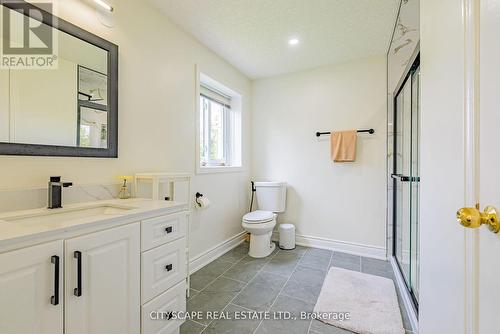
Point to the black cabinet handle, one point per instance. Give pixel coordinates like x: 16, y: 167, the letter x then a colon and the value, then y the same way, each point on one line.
x: 78, y: 290
x: 168, y: 267
x: 404, y: 178
x: 54, y: 300
x: 168, y: 229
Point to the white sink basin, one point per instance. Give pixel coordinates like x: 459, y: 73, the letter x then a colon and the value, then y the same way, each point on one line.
x: 65, y: 215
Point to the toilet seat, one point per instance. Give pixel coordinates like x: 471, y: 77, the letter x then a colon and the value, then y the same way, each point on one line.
x: 258, y: 217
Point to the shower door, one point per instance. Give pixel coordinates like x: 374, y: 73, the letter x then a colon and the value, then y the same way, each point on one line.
x: 406, y: 180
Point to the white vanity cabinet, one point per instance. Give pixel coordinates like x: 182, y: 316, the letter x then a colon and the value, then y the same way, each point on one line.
x: 31, y: 290
x: 163, y: 271
x: 105, y: 278
x: 102, y: 290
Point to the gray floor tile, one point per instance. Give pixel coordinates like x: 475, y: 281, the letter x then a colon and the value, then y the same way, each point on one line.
x: 286, y: 256
x: 261, y: 292
x: 192, y: 293
x: 346, y: 261
x: 271, y: 280
x: 305, y: 284
x: 262, y: 260
x: 294, y: 325
x: 322, y: 328
x: 293, y: 305
x: 280, y: 327
x: 283, y: 263
x: 302, y: 269
x: 214, y: 298
x: 191, y: 327
x: 376, y: 267
x: 324, y: 253
x: 235, y: 254
x: 313, y: 261
x: 233, y: 325
x: 246, y: 269
x: 203, y: 277
x: 224, y: 284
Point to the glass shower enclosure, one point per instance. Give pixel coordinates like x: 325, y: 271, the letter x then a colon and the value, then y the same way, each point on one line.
x: 406, y: 180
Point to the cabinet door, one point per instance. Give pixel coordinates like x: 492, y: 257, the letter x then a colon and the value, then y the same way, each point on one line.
x: 30, y: 300
x: 103, y: 282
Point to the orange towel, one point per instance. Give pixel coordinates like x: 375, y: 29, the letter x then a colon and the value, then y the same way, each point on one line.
x: 343, y: 146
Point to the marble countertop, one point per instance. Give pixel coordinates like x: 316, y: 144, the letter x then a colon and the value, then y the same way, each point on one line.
x: 16, y: 230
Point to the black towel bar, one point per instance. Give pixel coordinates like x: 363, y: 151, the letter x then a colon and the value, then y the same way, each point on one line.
x: 370, y: 131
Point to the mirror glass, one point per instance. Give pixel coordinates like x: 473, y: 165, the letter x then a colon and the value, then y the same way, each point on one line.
x: 64, y: 105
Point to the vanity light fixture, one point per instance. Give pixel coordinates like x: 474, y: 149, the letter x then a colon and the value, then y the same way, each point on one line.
x: 104, y: 5
x: 293, y: 41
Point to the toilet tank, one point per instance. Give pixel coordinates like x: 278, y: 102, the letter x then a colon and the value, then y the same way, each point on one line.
x: 271, y: 196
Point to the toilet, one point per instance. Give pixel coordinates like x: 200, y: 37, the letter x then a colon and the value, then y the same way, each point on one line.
x: 271, y: 199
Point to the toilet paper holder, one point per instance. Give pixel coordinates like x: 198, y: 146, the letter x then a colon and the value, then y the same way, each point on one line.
x: 198, y: 195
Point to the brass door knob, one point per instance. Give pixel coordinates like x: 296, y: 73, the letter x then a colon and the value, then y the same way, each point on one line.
x: 473, y: 218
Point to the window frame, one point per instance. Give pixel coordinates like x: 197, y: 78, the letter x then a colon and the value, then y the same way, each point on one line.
x: 232, y: 128
x: 207, y: 133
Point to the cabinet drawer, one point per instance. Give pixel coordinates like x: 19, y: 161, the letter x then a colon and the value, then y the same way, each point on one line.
x: 172, y: 300
x: 160, y: 230
x: 162, y: 268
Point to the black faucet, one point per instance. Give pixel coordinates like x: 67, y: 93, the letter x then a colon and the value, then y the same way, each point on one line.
x: 55, y: 191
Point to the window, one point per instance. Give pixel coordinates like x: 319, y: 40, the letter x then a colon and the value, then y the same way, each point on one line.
x: 213, y: 132
x: 219, y: 127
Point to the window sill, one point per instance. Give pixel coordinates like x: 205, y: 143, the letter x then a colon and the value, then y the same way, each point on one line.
x: 218, y: 169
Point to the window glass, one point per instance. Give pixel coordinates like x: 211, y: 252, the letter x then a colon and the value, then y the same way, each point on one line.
x: 213, y: 146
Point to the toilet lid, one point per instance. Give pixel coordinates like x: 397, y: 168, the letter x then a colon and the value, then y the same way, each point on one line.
x: 258, y: 216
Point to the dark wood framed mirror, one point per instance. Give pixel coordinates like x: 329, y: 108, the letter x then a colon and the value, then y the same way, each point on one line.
x: 58, y: 86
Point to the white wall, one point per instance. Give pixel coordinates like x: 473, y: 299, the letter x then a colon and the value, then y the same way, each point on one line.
x: 156, y: 116
x: 343, y: 202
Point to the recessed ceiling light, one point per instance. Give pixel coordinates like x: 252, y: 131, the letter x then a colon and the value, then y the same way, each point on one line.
x: 104, y: 5
x: 293, y: 41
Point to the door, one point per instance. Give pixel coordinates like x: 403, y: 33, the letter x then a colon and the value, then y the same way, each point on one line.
x: 406, y: 179
x: 103, y: 282
x: 460, y: 269
x: 488, y: 262
x: 30, y: 290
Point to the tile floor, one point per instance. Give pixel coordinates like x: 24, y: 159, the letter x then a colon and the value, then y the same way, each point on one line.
x: 284, y: 281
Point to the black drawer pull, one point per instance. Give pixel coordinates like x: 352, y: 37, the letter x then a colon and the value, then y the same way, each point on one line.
x: 169, y: 229
x: 54, y: 300
x: 78, y: 290
x: 404, y: 178
x: 168, y: 267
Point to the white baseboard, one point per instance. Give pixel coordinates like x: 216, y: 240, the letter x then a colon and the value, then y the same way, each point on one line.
x: 213, y: 253
x: 405, y: 296
x: 339, y: 246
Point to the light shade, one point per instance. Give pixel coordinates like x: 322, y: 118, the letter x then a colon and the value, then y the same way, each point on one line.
x: 293, y: 41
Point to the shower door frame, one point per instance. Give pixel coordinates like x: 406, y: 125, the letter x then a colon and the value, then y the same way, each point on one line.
x: 408, y: 76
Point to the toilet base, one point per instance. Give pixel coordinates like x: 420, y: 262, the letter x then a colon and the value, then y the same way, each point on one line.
x: 261, y: 245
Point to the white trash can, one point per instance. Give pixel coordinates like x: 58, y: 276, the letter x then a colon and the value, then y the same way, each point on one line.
x: 287, y: 236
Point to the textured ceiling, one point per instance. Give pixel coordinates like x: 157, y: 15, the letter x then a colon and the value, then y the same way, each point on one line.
x: 253, y: 34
